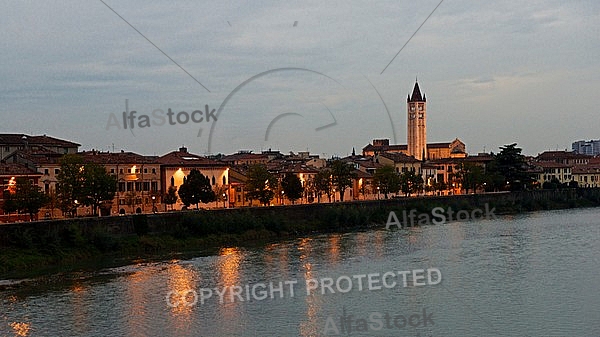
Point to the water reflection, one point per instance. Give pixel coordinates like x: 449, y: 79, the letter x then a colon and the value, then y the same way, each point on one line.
x: 136, y: 291
x: 308, y: 327
x: 228, y: 275
x: 20, y: 329
x: 333, y: 249
x: 79, y: 304
x: 496, y: 273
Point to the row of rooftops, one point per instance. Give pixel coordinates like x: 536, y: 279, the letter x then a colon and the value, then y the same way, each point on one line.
x: 36, y: 154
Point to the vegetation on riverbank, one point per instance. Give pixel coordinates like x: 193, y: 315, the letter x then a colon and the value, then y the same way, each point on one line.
x: 29, y: 250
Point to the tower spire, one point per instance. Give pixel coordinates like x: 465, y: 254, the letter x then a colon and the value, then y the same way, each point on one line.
x: 416, y: 94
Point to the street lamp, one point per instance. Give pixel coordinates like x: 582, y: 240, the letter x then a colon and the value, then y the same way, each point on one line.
x: 377, y: 192
x: 224, y: 199
x: 282, y: 193
x: 153, y: 204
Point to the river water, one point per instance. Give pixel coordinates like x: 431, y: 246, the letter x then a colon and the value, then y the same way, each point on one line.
x: 536, y: 274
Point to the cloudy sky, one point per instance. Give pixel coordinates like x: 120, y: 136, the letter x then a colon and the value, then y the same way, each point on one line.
x: 300, y: 75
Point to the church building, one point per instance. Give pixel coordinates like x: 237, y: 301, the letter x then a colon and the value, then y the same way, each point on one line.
x: 417, y: 146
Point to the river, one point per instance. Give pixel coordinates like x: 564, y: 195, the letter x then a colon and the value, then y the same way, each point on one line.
x: 534, y: 274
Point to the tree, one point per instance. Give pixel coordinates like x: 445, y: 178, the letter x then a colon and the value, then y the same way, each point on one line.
x: 260, y: 184
x: 70, y: 183
x: 170, y: 197
x: 27, y: 198
x: 195, y: 189
x: 98, y: 186
x: 387, y: 180
x: 341, y: 176
x: 292, y: 186
x: 220, y: 193
x: 322, y: 184
x: 511, y: 164
x: 411, y: 182
x: 439, y: 186
x: 471, y: 175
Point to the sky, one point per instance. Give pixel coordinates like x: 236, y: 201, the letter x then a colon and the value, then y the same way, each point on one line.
x: 318, y: 76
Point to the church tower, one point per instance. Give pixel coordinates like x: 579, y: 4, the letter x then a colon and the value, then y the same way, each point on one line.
x: 417, y: 124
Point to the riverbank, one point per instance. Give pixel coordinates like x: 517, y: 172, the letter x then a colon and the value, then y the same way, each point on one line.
x: 29, y: 249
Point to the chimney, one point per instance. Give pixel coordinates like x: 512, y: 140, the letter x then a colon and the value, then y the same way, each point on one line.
x: 183, y: 149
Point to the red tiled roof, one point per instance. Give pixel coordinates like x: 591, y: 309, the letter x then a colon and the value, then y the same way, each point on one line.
x: 19, y: 138
x: 399, y: 157
x: 551, y: 164
x: 244, y: 156
x: 554, y: 155
x: 13, y: 169
x: 585, y: 169
x: 116, y: 158
x: 184, y: 158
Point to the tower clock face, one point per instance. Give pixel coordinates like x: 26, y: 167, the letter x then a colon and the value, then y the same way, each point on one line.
x: 421, y: 115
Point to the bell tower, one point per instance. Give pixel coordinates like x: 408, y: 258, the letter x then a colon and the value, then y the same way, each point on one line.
x: 417, y: 124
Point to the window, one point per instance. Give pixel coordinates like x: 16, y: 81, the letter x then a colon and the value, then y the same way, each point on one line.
x: 121, y: 171
x: 213, y: 180
x: 153, y: 171
x: 130, y: 186
x: 7, y: 148
x: 224, y: 181
x: 138, y: 186
x: 56, y: 171
x: 146, y: 186
x: 145, y: 170
x: 112, y: 170
x: 172, y: 181
x: 46, y: 171
x: 121, y: 186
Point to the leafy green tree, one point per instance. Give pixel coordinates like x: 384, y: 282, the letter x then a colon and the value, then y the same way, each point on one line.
x: 98, y: 186
x: 341, y: 176
x: 28, y: 198
x: 292, y: 186
x: 439, y: 186
x: 195, y: 189
x: 471, y: 175
x: 260, y: 184
x: 322, y: 184
x: 70, y: 184
x: 220, y: 193
x: 170, y: 198
x: 493, y: 180
x: 387, y: 179
x: 511, y: 164
x: 10, y: 204
x: 411, y: 183
x: 553, y: 184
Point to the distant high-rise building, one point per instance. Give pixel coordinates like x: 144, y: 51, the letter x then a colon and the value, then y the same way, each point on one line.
x: 591, y: 147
